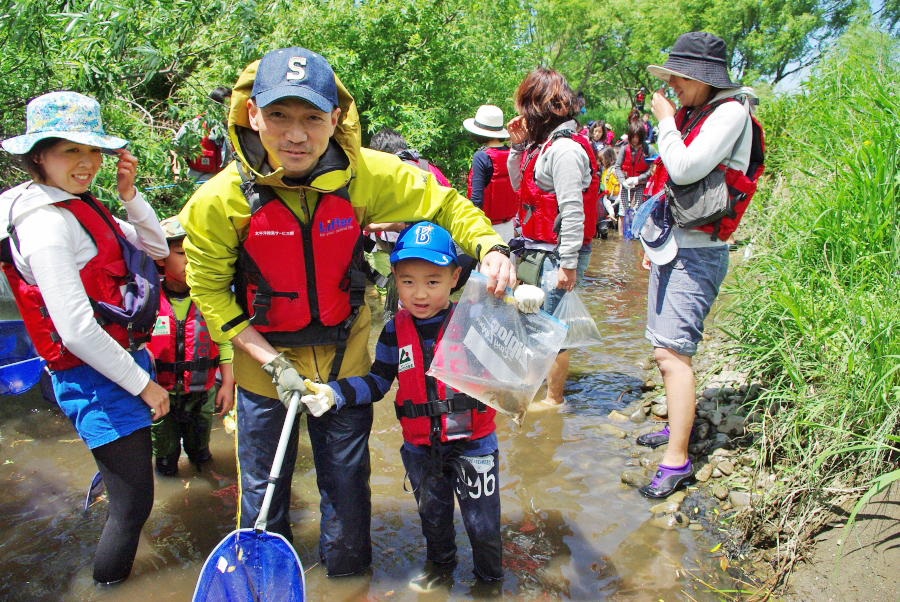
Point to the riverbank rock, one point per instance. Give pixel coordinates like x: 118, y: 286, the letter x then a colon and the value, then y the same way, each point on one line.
x: 732, y: 425
x: 664, y: 508
x: 660, y: 410
x: 651, y: 460
x: 638, y: 416
x: 740, y: 499
x: 725, y: 467
x: 617, y: 416
x: 721, y: 492
x: 705, y: 472
x: 676, y: 520
x: 609, y: 429
x: 635, y: 476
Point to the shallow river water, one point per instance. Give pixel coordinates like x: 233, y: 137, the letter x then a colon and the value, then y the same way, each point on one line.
x: 571, y: 530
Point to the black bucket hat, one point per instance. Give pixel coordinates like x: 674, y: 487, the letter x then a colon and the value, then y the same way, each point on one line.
x: 700, y: 56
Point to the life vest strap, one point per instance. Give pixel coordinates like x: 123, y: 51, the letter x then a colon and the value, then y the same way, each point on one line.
x: 196, y: 365
x: 457, y: 404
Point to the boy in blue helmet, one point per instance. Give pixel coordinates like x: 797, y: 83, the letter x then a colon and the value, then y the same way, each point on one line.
x: 449, y: 439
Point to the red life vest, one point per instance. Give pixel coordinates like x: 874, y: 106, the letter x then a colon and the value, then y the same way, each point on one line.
x: 501, y: 203
x: 210, y: 158
x: 300, y: 283
x: 741, y: 186
x: 103, y: 277
x: 634, y: 166
x: 423, y: 400
x: 541, y: 224
x: 185, y: 356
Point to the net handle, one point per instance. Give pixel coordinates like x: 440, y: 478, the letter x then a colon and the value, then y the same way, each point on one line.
x: 279, y: 460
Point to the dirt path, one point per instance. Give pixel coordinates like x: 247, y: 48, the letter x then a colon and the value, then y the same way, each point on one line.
x: 869, y: 568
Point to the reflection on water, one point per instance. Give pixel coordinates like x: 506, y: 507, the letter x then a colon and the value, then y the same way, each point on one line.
x: 570, y: 529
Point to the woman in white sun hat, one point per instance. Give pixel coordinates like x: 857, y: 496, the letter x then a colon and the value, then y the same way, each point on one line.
x: 687, y: 265
x: 489, y: 187
x: 63, y: 255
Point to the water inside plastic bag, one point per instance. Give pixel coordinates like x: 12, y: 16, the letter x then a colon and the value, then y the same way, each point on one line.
x: 572, y: 312
x: 494, y: 353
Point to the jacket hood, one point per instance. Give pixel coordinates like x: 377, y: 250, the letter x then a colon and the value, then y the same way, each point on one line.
x: 336, y: 166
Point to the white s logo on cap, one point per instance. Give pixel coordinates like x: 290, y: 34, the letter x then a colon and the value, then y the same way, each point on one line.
x: 296, y: 65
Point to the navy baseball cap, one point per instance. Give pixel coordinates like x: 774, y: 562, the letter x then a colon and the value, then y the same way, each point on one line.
x: 298, y: 73
x: 425, y: 241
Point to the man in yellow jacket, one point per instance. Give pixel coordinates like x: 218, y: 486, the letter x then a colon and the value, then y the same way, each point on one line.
x: 281, y: 224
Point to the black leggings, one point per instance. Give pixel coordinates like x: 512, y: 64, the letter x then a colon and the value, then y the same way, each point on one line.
x: 128, y: 475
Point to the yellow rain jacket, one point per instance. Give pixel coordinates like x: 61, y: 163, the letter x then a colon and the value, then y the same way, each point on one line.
x: 382, y: 189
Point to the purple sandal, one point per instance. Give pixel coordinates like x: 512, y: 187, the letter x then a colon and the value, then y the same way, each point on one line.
x: 667, y: 480
x: 658, y: 438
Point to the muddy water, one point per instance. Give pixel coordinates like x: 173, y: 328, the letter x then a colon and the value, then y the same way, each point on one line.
x: 570, y: 529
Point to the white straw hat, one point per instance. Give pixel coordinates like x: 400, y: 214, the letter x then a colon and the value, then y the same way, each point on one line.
x: 488, y: 122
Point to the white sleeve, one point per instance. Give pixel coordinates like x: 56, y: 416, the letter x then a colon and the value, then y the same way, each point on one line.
x: 713, y: 145
x: 46, y: 245
x: 142, y: 228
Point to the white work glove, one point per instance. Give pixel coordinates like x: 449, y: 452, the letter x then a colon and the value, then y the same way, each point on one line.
x: 528, y: 298
x: 320, y: 401
x: 286, y: 379
x: 631, y: 182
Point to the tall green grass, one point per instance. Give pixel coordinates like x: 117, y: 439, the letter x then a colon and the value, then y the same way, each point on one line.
x: 817, y: 308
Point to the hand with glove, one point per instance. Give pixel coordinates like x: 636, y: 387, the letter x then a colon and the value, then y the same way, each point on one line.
x: 321, y: 400
x: 631, y: 182
x: 528, y: 298
x: 286, y: 378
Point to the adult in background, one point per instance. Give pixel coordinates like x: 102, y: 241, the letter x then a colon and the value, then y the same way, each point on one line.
x: 555, y: 171
x: 688, y: 266
x: 489, y: 186
x: 651, y: 131
x: 282, y: 222
x: 210, y: 157
x: 633, y: 167
x: 63, y: 256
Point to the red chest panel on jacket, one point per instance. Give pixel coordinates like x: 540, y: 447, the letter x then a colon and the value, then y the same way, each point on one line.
x: 413, y: 386
x: 501, y: 203
x: 186, y: 357
x: 102, y: 277
x: 301, y: 271
x: 543, y: 204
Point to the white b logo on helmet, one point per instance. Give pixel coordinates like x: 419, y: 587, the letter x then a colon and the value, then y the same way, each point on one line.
x: 423, y: 235
x: 296, y: 65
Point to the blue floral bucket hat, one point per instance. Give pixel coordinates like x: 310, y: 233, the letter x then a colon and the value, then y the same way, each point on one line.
x: 67, y: 115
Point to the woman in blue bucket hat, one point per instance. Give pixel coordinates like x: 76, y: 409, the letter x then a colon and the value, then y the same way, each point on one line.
x: 68, y: 261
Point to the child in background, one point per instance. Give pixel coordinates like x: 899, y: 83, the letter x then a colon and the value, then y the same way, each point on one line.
x: 186, y: 360
x: 449, y: 443
x: 609, y: 184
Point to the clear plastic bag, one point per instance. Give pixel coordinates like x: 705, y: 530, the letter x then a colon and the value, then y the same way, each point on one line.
x: 494, y: 353
x: 572, y: 312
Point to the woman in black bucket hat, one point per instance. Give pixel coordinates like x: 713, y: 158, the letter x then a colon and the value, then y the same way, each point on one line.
x: 687, y: 265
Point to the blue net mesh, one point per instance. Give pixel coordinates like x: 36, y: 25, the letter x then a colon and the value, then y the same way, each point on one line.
x: 248, y: 566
